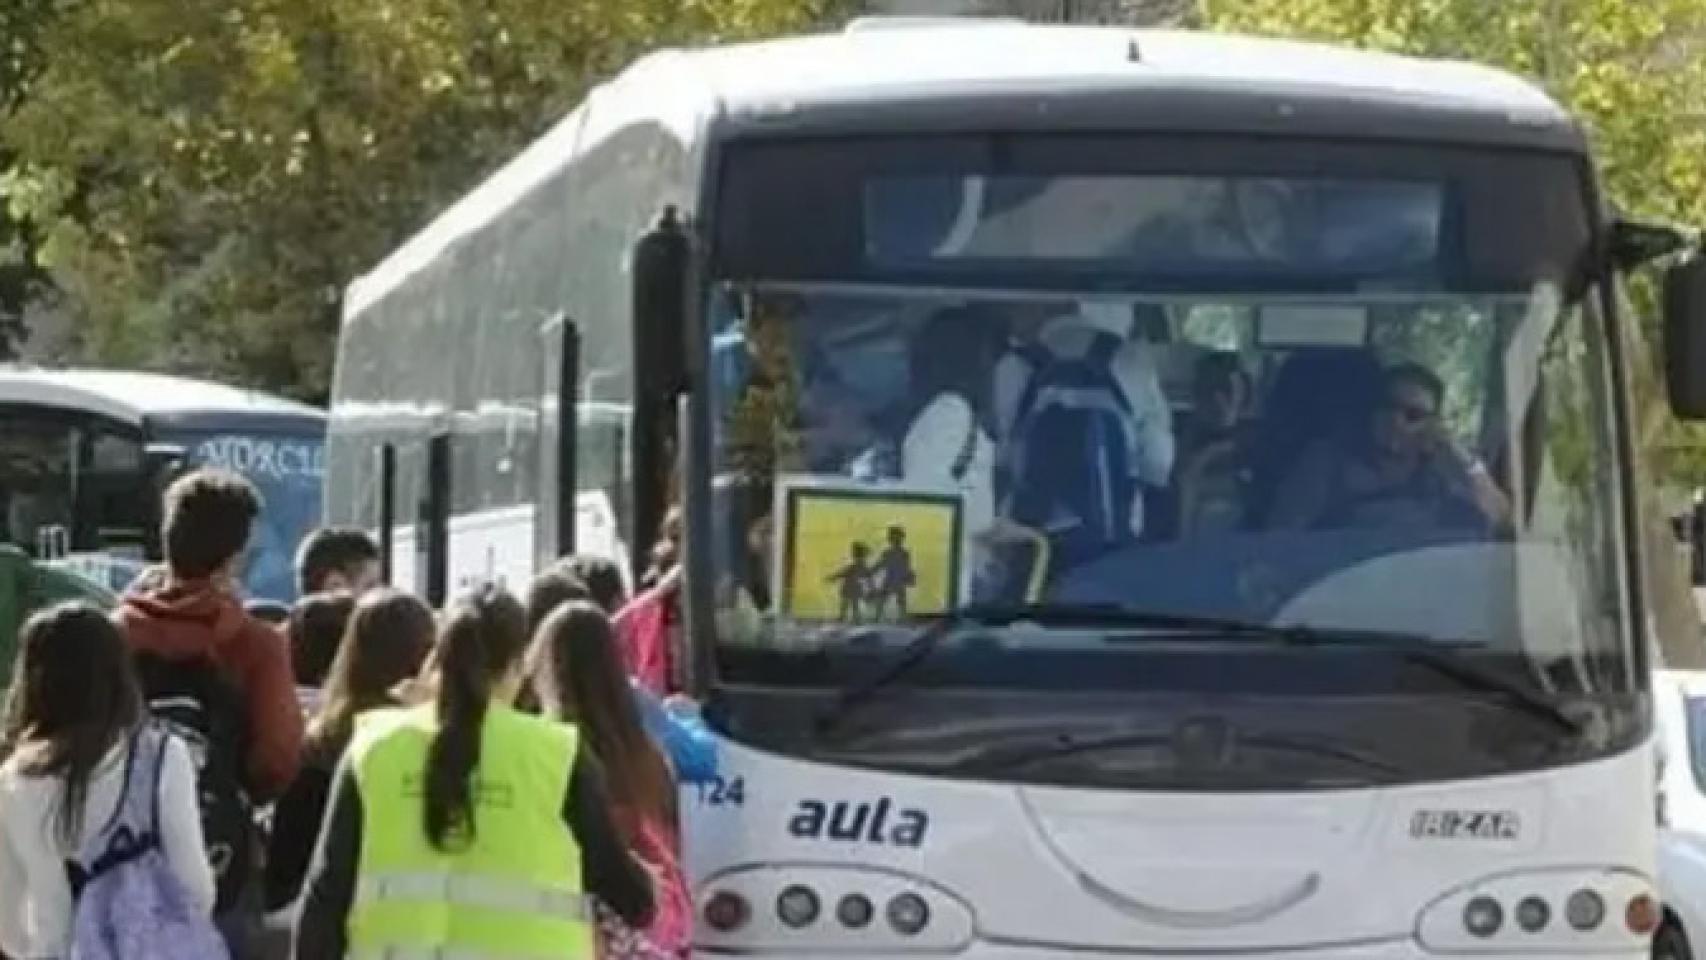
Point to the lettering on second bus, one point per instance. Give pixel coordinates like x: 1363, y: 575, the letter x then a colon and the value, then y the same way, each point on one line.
x: 260, y: 457
x: 880, y: 822
x: 1465, y: 825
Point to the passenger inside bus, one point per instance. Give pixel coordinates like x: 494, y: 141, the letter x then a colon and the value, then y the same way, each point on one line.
x: 1209, y: 484
x: 950, y: 437
x: 1401, y: 470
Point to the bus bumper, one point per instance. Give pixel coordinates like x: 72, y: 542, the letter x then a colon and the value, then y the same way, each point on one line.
x: 1404, y: 950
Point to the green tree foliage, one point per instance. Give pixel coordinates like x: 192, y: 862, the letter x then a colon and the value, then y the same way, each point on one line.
x: 204, y: 177
x: 1635, y: 73
x: 22, y: 59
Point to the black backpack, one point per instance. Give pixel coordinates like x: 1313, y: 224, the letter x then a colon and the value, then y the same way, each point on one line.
x: 193, y: 700
x: 1070, y: 451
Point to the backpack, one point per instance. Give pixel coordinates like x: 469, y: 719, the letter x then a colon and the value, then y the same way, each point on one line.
x: 192, y: 699
x: 1069, y: 456
x: 128, y: 902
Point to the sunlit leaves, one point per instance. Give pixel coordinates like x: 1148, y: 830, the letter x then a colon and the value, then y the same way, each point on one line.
x: 202, y: 174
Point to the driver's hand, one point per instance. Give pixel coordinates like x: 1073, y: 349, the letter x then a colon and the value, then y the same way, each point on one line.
x: 1446, y: 451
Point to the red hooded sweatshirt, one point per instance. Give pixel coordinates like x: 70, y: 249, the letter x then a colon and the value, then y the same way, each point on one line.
x: 190, y: 620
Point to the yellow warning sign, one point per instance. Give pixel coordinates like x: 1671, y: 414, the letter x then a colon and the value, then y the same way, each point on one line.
x: 862, y: 554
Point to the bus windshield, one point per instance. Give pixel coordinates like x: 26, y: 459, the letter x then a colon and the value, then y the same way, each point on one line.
x: 1256, y: 400
x: 1339, y: 462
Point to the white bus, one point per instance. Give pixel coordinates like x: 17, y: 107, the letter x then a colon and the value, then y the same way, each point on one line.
x: 1346, y: 694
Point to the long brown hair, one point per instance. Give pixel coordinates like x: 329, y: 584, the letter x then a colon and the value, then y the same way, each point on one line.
x: 550, y: 588
x: 388, y: 635
x: 483, y: 638
x: 583, y: 682
x: 316, y: 628
x: 73, y: 699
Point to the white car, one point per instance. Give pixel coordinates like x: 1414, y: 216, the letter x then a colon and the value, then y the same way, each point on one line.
x: 1679, y: 703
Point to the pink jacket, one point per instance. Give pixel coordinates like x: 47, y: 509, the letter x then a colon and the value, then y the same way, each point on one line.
x: 643, y: 631
x: 671, y: 928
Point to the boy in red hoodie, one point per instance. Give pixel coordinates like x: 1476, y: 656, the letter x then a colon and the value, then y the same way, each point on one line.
x: 194, y: 641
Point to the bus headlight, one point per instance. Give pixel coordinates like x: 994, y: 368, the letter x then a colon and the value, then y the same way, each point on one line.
x: 1585, y: 910
x: 726, y: 911
x: 1532, y: 914
x: 855, y: 911
x: 1473, y: 918
x: 1643, y: 915
x: 873, y: 911
x: 1483, y: 917
x: 908, y: 914
x: 797, y: 906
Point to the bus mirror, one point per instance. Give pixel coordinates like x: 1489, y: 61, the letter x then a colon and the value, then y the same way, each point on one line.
x: 1635, y: 245
x: 1685, y: 337
x: 660, y: 264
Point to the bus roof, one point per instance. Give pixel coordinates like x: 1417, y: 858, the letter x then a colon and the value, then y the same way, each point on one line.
x: 937, y: 61
x: 156, y: 400
x: 945, y: 76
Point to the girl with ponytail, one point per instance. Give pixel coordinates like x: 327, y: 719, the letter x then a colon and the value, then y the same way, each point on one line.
x: 458, y: 785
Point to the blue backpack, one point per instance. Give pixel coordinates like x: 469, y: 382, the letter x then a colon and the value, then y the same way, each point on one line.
x: 129, y: 903
x: 1069, y: 455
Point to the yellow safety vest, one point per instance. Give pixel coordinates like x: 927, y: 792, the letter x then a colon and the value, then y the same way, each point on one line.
x: 511, y: 893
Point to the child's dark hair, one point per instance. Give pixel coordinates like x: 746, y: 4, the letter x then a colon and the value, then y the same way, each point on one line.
x: 666, y: 551
x: 387, y: 636
x: 582, y: 680
x: 208, y: 516
x: 73, y: 698
x: 483, y: 638
x: 602, y: 578
x: 316, y: 629
x: 330, y: 550
x: 549, y: 589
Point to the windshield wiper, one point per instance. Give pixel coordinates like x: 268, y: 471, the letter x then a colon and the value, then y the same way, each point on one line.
x: 1441, y: 655
x: 1004, y: 757
x: 924, y: 642
x: 1433, y: 653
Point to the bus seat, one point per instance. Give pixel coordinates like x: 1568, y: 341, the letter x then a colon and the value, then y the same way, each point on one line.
x: 1318, y: 393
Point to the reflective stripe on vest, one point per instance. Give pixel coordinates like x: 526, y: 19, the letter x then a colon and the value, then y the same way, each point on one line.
x: 441, y: 953
x: 485, y: 893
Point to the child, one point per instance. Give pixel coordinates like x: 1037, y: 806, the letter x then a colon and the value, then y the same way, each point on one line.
x: 387, y: 635
x: 855, y: 579
x: 582, y: 683
x: 73, y: 721
x: 895, y: 575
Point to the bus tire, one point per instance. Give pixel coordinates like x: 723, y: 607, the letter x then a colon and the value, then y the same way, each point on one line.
x: 1671, y: 941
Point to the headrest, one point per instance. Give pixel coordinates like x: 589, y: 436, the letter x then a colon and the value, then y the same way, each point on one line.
x: 1108, y: 316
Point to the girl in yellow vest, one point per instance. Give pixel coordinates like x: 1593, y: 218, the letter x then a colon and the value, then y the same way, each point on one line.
x: 463, y: 828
